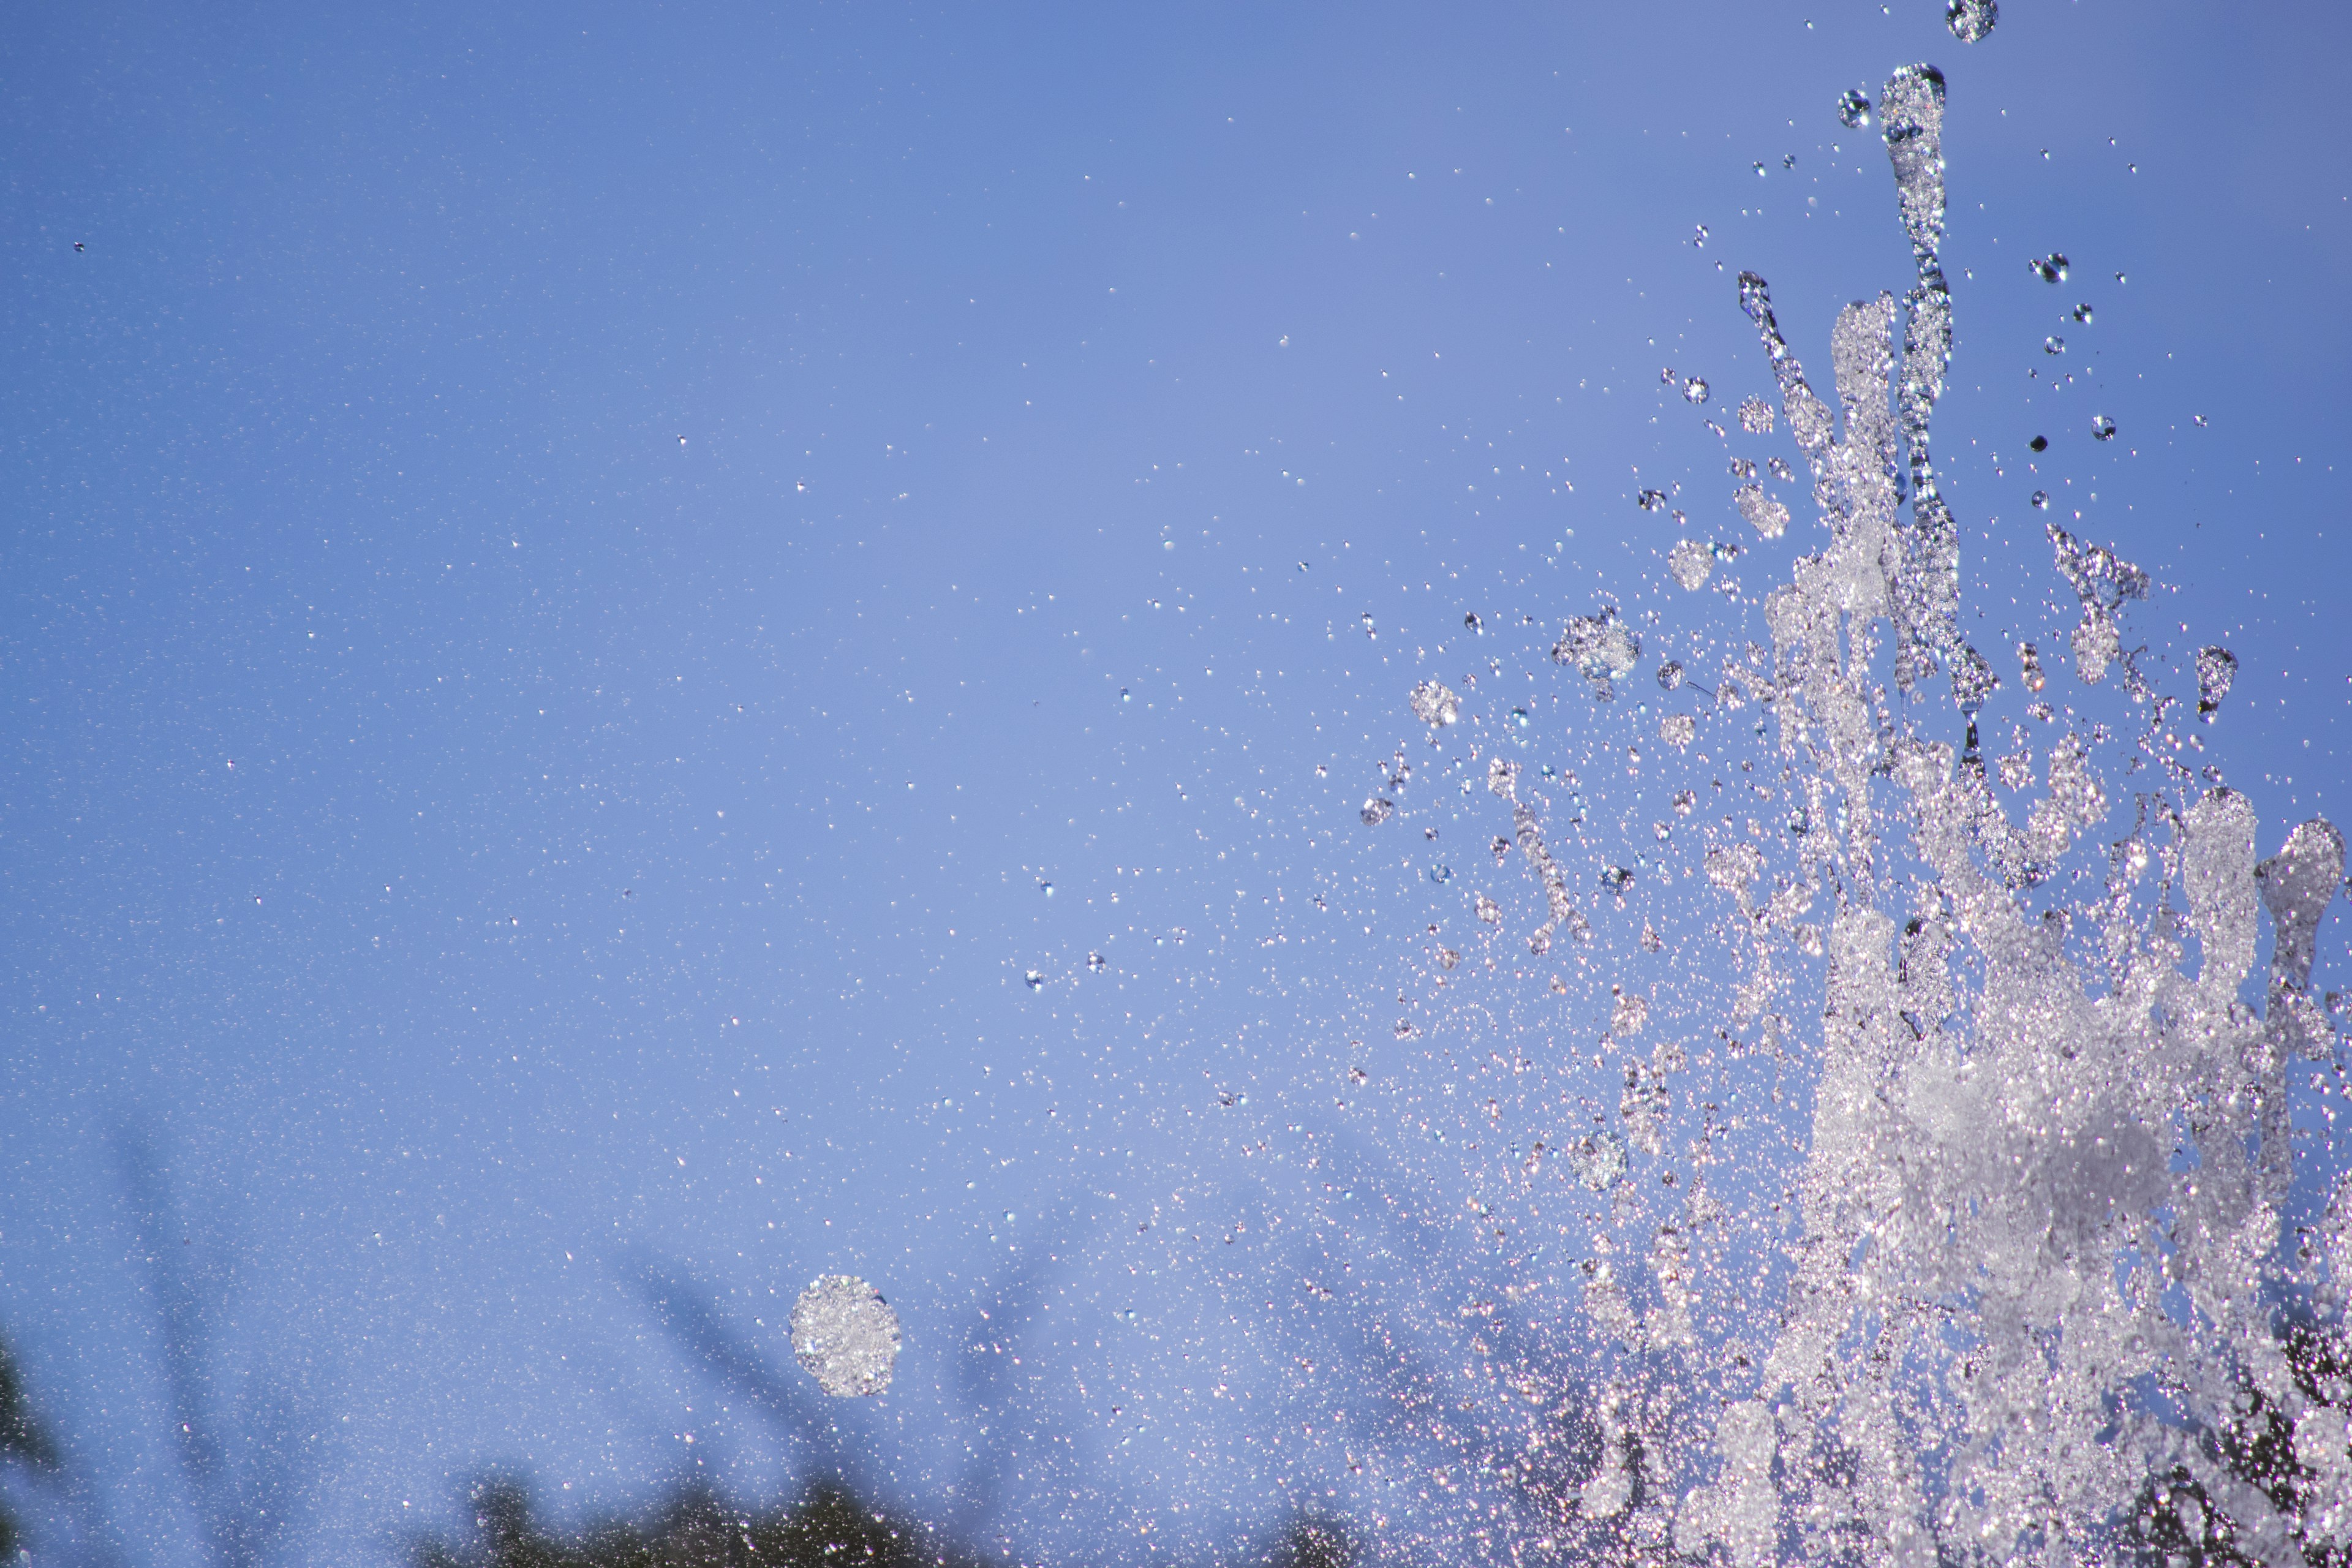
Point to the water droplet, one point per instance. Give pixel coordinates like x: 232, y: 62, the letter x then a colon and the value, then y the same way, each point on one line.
x: 1500, y: 847
x: 2102, y: 427
x: 845, y: 1336
x: 1034, y: 979
x: 1472, y: 624
x: 2082, y: 314
x: 2040, y: 444
x: 1124, y: 695
x: 1788, y: 159
x: 1853, y: 109
x: 1971, y: 20
x: 1670, y: 675
x: 1651, y: 501
x: 1755, y: 417
x: 1598, y: 1159
x: 1096, y: 963
x: 2054, y: 345
x: 1488, y: 909
x: 1690, y: 562
x: 1046, y: 888
x: 1694, y: 390
x: 2217, y: 670
x: 1520, y: 719
x: 2050, y: 268
x: 2042, y: 501
x: 1441, y: 874
x: 1685, y: 802
x: 2199, y: 419
x: 1377, y: 811
x: 1759, y: 170
x: 1167, y: 544
x: 1617, y: 878
x: 1666, y: 377
x: 1434, y: 704
x: 1699, y: 237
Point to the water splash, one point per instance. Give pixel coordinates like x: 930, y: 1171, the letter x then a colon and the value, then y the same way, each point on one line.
x: 2039, y: 1242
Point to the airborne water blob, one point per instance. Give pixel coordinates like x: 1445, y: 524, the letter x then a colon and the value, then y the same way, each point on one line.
x: 2216, y: 672
x: 1971, y: 20
x: 845, y: 1336
x: 1434, y: 704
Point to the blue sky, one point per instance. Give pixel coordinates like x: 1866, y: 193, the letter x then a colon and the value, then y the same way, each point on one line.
x: 575, y: 573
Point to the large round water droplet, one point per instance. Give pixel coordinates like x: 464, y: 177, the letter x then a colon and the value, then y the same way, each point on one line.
x: 845, y: 1336
x: 1971, y: 20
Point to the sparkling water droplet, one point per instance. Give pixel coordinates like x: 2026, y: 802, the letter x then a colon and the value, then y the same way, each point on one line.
x: 2054, y: 345
x: 845, y: 1336
x: 1489, y: 909
x: 1520, y: 719
x: 1971, y: 20
x: 1699, y: 237
x: 1788, y: 159
x: 2102, y: 427
x: 2200, y: 419
x: 1441, y: 874
x: 1666, y: 377
x: 1755, y: 417
x: 1690, y: 563
x: 2042, y: 501
x: 1670, y: 675
x: 1685, y: 802
x: 1598, y: 1159
x: 1617, y: 878
x: 1694, y: 390
x: 1046, y: 888
x: 2082, y: 314
x: 1651, y: 501
x: 1034, y: 979
x: 1096, y: 963
x: 1759, y: 169
x: 1434, y: 704
x: 1472, y: 624
x: 1853, y: 109
x: 1377, y: 811
x: 2217, y: 670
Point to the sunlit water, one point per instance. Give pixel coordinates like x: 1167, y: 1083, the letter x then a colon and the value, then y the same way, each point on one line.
x: 2051, y: 1208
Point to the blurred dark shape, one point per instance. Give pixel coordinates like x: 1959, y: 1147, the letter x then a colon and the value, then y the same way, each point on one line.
x: 2176, y: 1519
x: 825, y: 1527
x: 22, y: 1441
x: 1316, y: 1543
x: 250, y: 1470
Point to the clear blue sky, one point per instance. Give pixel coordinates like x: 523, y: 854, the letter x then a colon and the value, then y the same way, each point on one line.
x: 573, y: 572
